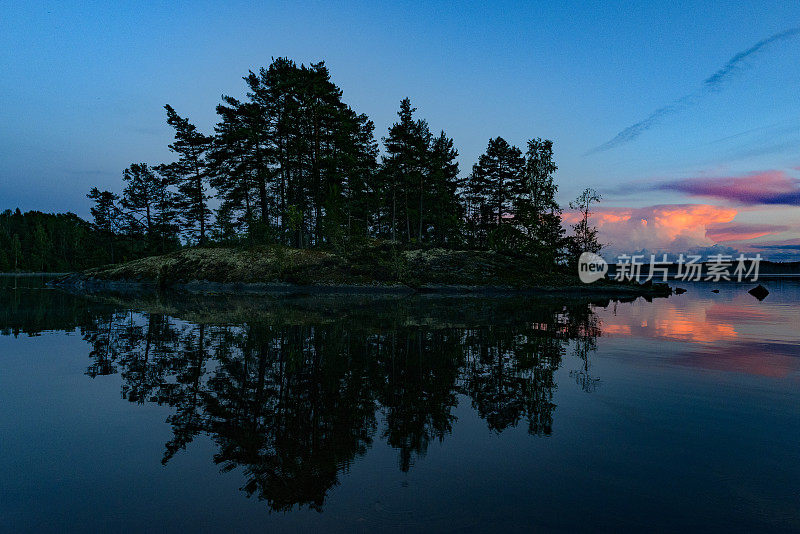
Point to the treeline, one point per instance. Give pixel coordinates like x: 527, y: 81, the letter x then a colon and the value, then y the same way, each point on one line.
x: 292, y: 164
x: 46, y: 242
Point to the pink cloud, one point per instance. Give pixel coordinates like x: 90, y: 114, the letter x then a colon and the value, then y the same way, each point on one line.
x: 742, y: 232
x: 758, y: 188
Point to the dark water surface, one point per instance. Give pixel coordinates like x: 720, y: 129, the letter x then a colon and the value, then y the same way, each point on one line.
x: 402, y: 414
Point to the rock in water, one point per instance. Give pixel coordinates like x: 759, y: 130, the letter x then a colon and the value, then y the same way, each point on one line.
x: 760, y: 292
x: 679, y: 291
x: 715, y: 290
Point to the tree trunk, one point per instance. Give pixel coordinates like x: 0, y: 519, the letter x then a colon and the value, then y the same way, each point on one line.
x: 420, y: 209
x: 394, y: 214
x: 202, y: 209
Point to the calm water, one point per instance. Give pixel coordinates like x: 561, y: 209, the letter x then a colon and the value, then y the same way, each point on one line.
x: 362, y: 414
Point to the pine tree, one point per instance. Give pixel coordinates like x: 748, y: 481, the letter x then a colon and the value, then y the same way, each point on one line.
x: 191, y: 172
x: 233, y: 168
x: 536, y: 211
x: 164, y: 208
x: 41, y: 248
x: 293, y: 155
x: 276, y: 89
x: 107, y: 216
x: 447, y: 214
x: 105, y: 210
x: 138, y: 197
x: 495, y: 182
x: 349, y: 171
x: 404, y: 173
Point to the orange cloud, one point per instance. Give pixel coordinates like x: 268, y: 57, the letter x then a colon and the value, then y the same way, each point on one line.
x: 659, y: 227
x: 617, y: 330
x: 679, y: 220
x: 601, y: 216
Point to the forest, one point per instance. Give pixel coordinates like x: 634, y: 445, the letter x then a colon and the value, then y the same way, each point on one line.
x: 291, y: 164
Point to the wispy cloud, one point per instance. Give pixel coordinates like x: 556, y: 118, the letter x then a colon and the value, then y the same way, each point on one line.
x: 719, y: 77
x: 90, y: 172
x: 758, y: 188
x: 635, y: 130
x: 768, y: 128
x: 743, y: 231
x: 710, y: 84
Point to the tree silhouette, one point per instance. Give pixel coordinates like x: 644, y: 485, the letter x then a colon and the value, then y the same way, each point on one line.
x: 191, y: 173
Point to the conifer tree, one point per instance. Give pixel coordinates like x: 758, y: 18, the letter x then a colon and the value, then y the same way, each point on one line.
x: 536, y: 211
x: 495, y: 182
x: 41, y: 249
x: 16, y: 248
x: 232, y: 168
x: 107, y: 216
x: 294, y: 154
x: 105, y: 211
x: 446, y: 213
x: 138, y: 196
x: 191, y: 173
x: 164, y: 209
x: 404, y: 173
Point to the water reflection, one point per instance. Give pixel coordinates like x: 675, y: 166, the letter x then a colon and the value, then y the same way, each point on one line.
x: 728, y: 332
x: 292, y: 393
x: 293, y: 403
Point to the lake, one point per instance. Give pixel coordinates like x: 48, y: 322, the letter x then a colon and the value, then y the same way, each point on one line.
x: 358, y: 413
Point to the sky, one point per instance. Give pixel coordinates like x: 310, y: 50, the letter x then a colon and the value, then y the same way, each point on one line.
x: 685, y: 117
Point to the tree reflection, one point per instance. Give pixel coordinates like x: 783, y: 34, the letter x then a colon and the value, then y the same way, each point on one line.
x: 584, y: 331
x: 293, y: 395
x: 508, y: 373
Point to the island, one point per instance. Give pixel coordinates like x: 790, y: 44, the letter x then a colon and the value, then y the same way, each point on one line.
x: 380, y: 268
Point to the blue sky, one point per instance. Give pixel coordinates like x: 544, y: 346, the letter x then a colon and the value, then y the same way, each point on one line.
x: 83, y: 86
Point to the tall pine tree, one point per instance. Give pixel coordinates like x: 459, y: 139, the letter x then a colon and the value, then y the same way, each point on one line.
x: 536, y: 211
x: 191, y: 173
x: 404, y: 172
x: 446, y: 213
x: 495, y: 182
